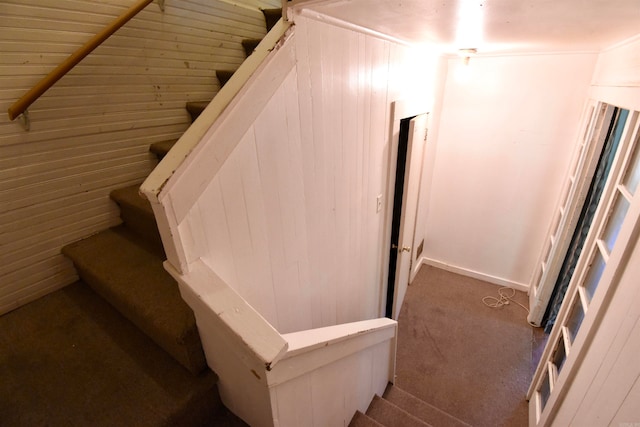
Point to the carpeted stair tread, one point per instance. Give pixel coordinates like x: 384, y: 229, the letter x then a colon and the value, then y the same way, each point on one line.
x: 420, y: 409
x: 195, y: 108
x: 70, y: 359
x: 224, y: 76
x: 250, y: 45
x: 271, y: 17
x: 363, y: 420
x: 137, y: 215
x: 131, y: 278
x: 390, y: 415
x: 160, y: 149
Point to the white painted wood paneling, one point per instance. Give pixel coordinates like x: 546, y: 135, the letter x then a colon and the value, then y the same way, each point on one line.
x: 331, y: 395
x: 184, y: 173
x: 504, y: 144
x: 329, y: 373
x: 277, y: 202
x: 628, y: 411
x: 90, y: 133
x: 295, y: 201
x: 315, y: 377
x: 226, y: 321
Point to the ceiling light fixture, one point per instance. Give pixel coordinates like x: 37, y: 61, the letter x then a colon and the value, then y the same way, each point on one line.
x: 467, y: 53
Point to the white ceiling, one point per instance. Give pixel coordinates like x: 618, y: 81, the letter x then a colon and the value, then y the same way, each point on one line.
x: 494, y: 26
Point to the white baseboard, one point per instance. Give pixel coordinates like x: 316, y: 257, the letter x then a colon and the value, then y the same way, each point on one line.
x: 474, y: 274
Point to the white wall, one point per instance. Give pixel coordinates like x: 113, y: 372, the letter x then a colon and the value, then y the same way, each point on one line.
x: 290, y: 219
x: 619, y: 65
x: 90, y: 133
x: 428, y: 166
x: 506, y: 133
x: 616, y: 79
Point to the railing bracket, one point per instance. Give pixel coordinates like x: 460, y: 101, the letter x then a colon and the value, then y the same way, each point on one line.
x: 161, y: 4
x: 26, y: 121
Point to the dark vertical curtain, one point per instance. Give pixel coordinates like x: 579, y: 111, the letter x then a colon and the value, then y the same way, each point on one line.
x: 598, y: 182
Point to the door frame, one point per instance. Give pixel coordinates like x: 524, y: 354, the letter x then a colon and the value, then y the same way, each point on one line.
x: 566, y: 215
x: 400, y: 109
x: 543, y: 407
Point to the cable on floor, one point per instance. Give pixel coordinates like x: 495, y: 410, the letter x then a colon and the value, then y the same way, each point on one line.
x: 505, y: 298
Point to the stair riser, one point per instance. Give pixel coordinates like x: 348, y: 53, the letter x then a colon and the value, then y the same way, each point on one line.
x: 131, y: 278
x: 271, y: 17
x: 160, y: 149
x: 223, y: 76
x: 420, y: 409
x: 180, y: 353
x: 143, y: 225
x: 250, y: 45
x: 362, y: 420
x: 390, y: 415
x: 195, y: 109
x: 194, y: 412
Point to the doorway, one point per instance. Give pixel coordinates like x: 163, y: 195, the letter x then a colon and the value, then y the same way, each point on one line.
x: 611, y: 238
x: 404, y: 181
x: 572, y: 221
x: 401, y: 166
x: 605, y: 161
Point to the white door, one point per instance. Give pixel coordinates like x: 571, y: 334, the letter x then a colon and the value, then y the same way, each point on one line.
x: 595, y: 125
x: 412, y: 176
x: 611, y: 239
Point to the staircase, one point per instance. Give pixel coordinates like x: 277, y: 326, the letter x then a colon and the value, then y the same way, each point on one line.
x: 397, y: 408
x: 123, y: 265
x: 195, y: 108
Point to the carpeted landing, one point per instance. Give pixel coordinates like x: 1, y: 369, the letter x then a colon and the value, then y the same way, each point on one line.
x: 70, y: 359
x: 469, y: 360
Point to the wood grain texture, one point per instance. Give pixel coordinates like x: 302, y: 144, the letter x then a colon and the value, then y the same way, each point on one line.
x: 331, y: 393
x: 90, y: 132
x: 21, y: 105
x: 288, y: 210
x: 207, y: 293
x: 279, y: 200
x: 326, y: 376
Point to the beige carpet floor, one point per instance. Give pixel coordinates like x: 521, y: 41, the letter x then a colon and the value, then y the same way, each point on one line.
x: 454, y: 352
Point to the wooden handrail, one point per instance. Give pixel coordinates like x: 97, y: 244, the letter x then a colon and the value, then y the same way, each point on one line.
x: 50, y: 79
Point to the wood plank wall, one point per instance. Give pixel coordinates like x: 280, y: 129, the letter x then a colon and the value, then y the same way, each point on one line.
x: 330, y: 395
x: 290, y: 219
x: 90, y: 133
